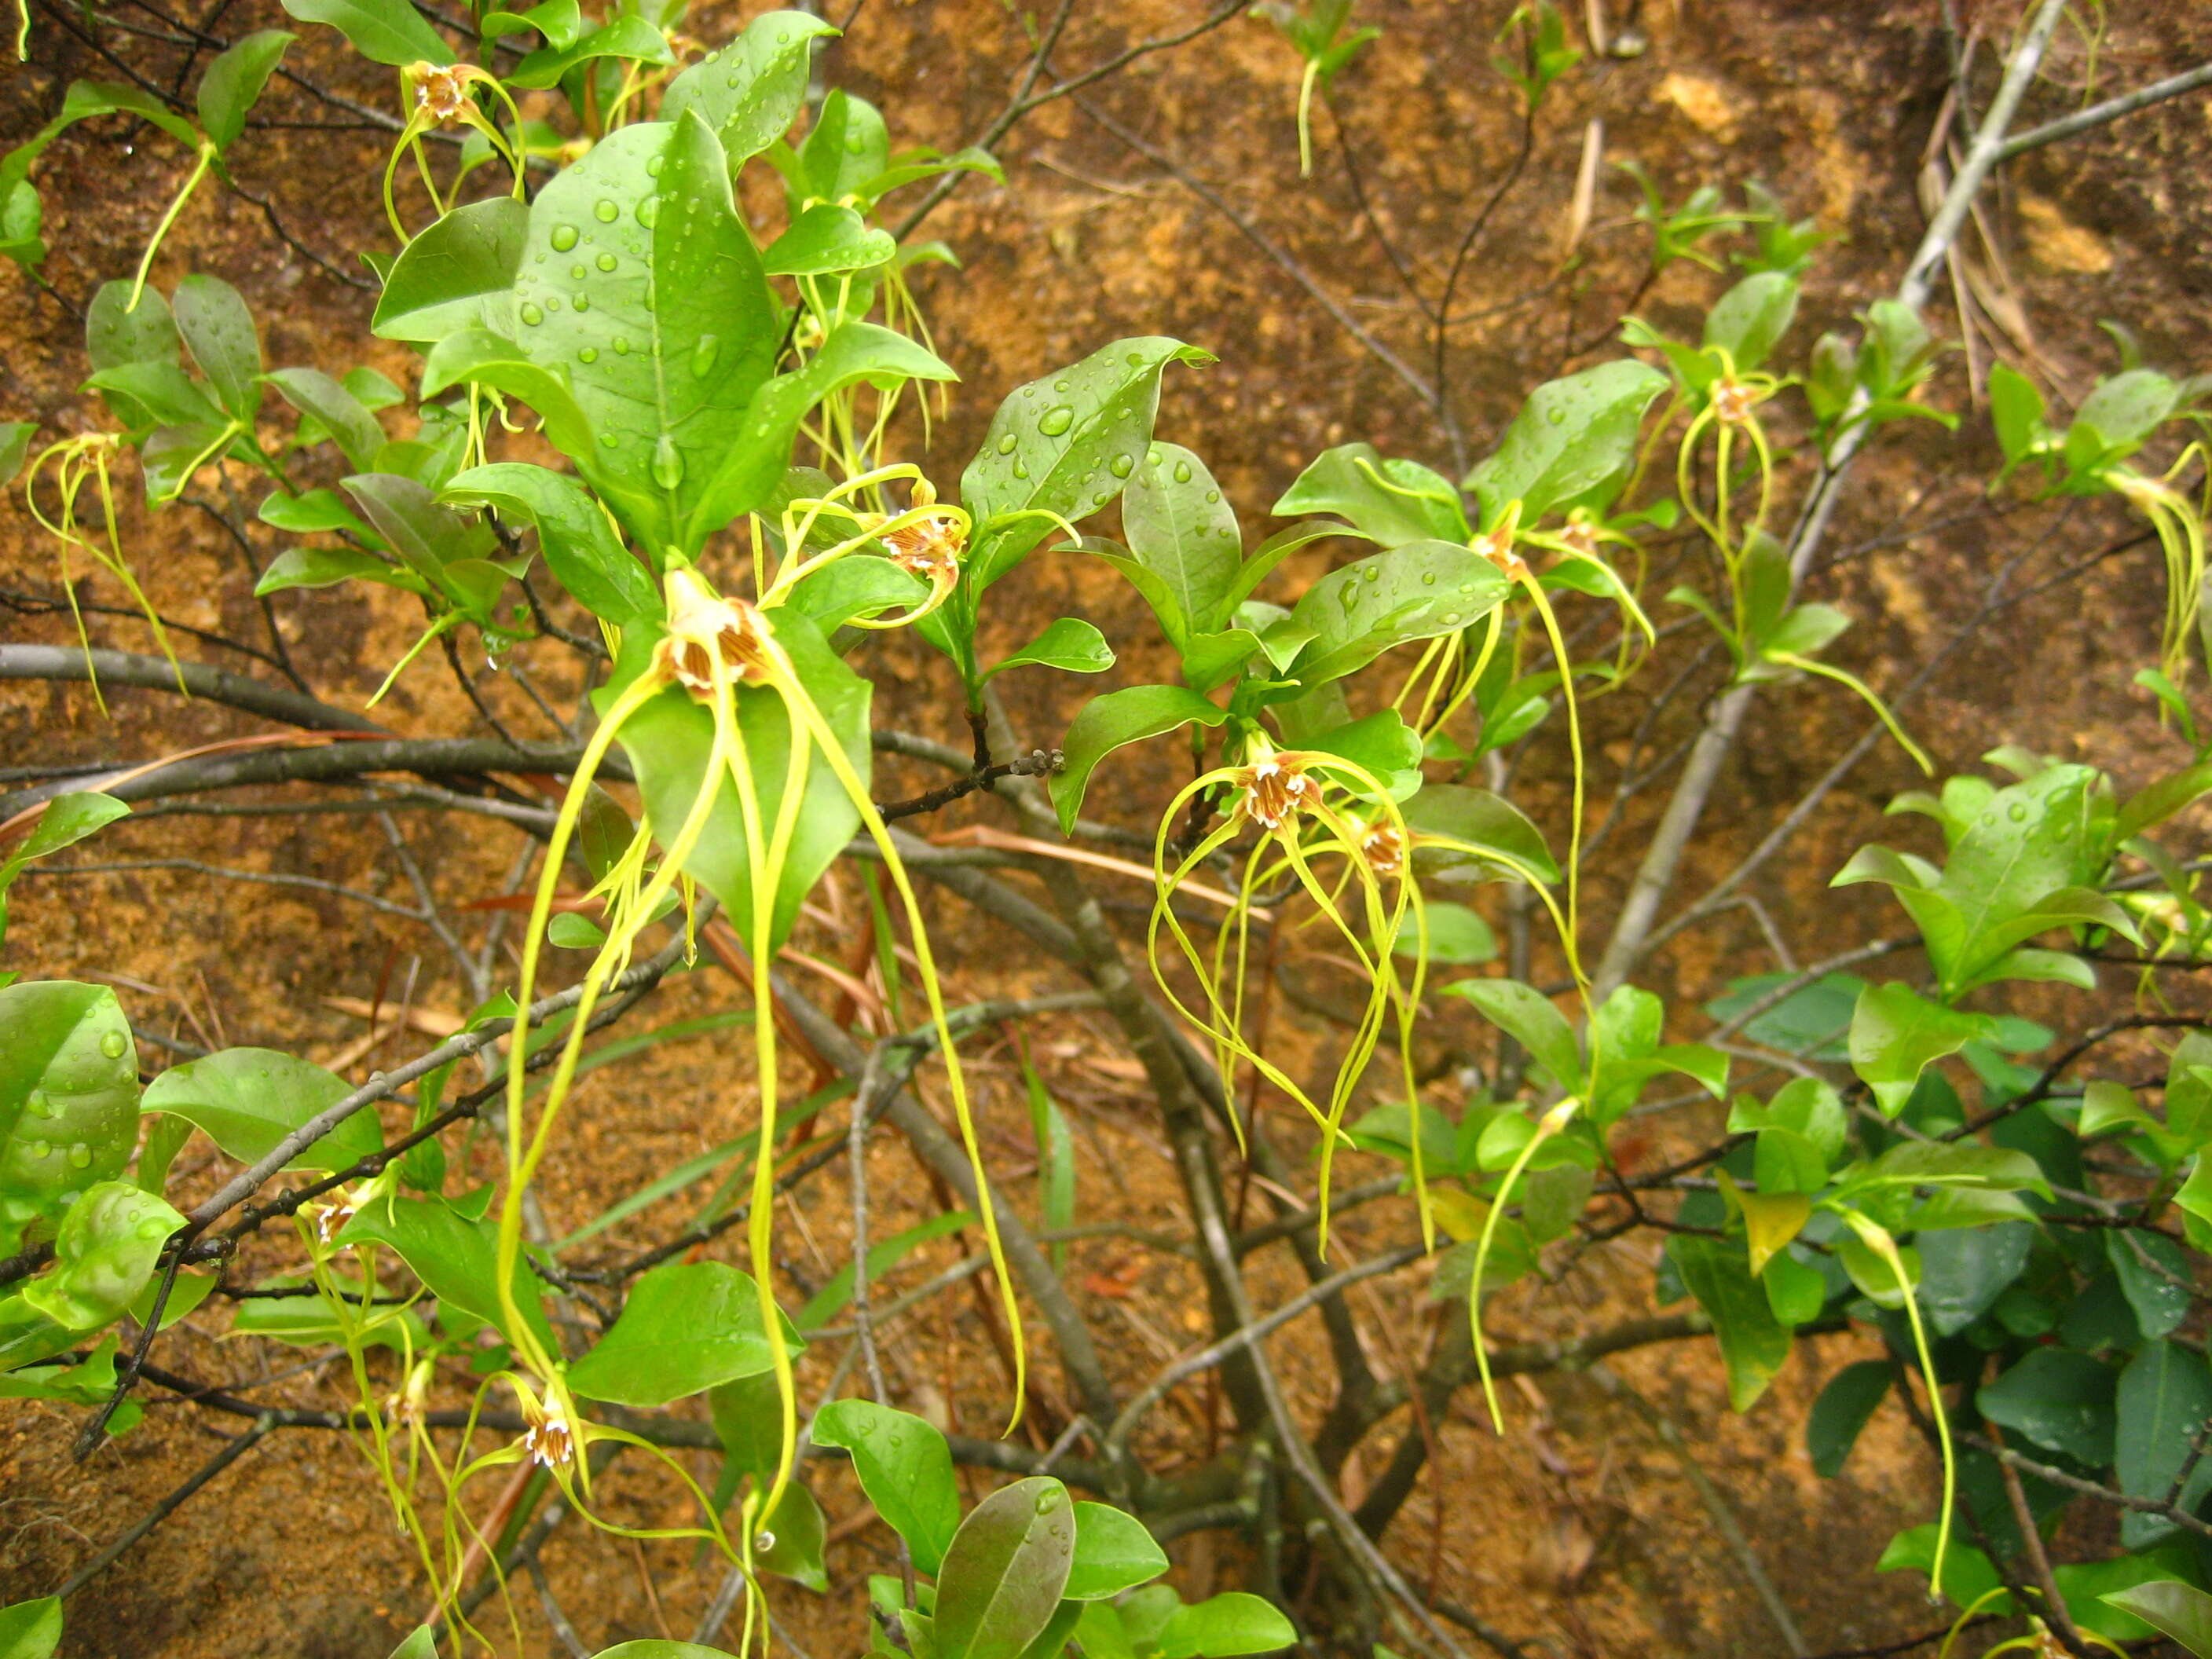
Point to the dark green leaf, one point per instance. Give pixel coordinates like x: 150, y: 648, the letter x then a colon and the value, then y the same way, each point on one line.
x: 2165, y: 1396
x: 313, y: 392
x: 748, y: 1418
x: 218, y: 330
x: 1001, y: 1580
x: 581, y: 547
x: 2058, y: 1399
x: 1477, y: 820
x: 1754, y: 1345
x: 2159, y: 1298
x: 248, y: 1100
x: 456, y: 1257
x: 2181, y: 1611
x: 326, y: 567
x: 1528, y: 1016
x: 1182, y: 531
x: 1413, y: 592
x: 1963, y: 1271
x: 1107, y: 723
x: 1843, y: 1409
x: 800, y: 1534
x: 686, y: 1327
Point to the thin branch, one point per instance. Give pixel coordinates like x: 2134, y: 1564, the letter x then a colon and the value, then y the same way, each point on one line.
x: 2097, y: 115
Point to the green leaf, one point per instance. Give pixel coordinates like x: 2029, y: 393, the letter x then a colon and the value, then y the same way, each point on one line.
x: 686, y: 1327
x: 157, y: 394
x: 1573, y: 442
x: 314, y: 1322
x: 2084, y: 1585
x: 651, y: 1648
x: 1897, y: 1033
x: 2179, y: 1610
x: 677, y: 329
x: 383, y: 31
x: 1101, y: 1633
x: 904, y: 1467
x: 326, y: 567
x: 1071, y: 644
x: 233, y: 81
x: 1456, y: 937
x: 15, y: 445
x: 828, y: 238
x: 1750, y: 319
x: 2016, y: 410
x: 487, y: 359
x: 1182, y: 531
x: 1382, y: 744
x: 834, y: 1295
x: 248, y: 1100
x: 751, y: 470
x: 581, y: 547
x: 2160, y: 1300
x: 2165, y: 1395
x: 1754, y: 1344
x: 1413, y: 592
x: 1105, y: 724
x: 1000, y: 1582
x: 750, y: 90
x: 1528, y: 1016
x: 1222, y: 1625
x: 429, y: 537
x: 669, y: 740
x: 1841, y: 1414
x: 30, y: 1630
x: 1113, y: 1553
x: 1950, y: 1163
x: 748, y: 1418
x: 801, y: 1536
x: 357, y: 432
x: 626, y: 35
x: 456, y: 1256
x: 1968, y: 1578
x: 1388, y: 502
x: 218, y: 330
x: 68, y: 1098
x: 1481, y: 821
x: 2116, y: 418
x: 2059, y: 1399
x: 421, y: 1644
x: 104, y: 1254
x: 1964, y: 1270
x: 459, y: 274
x: 1061, y: 447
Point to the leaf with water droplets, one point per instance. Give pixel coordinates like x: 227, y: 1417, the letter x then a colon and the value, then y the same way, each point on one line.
x: 655, y: 197
x: 1003, y: 1575
x: 629, y: 37
x: 1182, y: 531
x: 1574, y: 441
x: 828, y: 238
x: 906, y: 1470
x: 751, y: 90
x: 1066, y: 428
x: 248, y: 1100
x: 69, y: 1077
x: 1413, y: 592
x: 219, y: 332
x: 581, y: 547
x: 457, y: 274
x: 1072, y: 645
x: 104, y: 1255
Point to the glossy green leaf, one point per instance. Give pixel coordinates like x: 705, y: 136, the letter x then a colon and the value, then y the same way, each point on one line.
x: 68, y: 819
x: 640, y: 285
x: 68, y: 1098
x: 1897, y: 1033
x: 1388, y: 502
x: 457, y: 274
x: 1754, y: 1345
x: 906, y: 1470
x: 855, y: 589
x: 1457, y: 937
x: 670, y: 738
x: 1750, y: 319
x: 2059, y: 1399
x: 1846, y: 1405
x: 1225, y: 1625
x: 248, y: 1100
x: 1002, y: 1574
x: 2116, y: 418
x: 748, y: 1416
x: 1482, y: 822
x: 15, y: 446
x: 1108, y: 723
x: 654, y: 1648
x: 626, y: 36
x: 2016, y: 410
x: 1069, y: 644
x: 477, y: 355
x: 455, y: 1255
x: 383, y: 31
x: 357, y: 432
x: 144, y: 394
x: 30, y: 1630
x: 104, y: 1254
x: 1969, y: 1580
x: 1528, y: 1016
x: 1063, y: 447
x: 1413, y: 592
x: 1100, y: 1633
x: 801, y: 1535
x: 1183, y: 531
x: 315, y: 1322
x: 2164, y: 1396
x: 326, y: 567
x: 2154, y: 1277
x: 421, y: 1644
x: 1574, y: 441
x: 1113, y: 1553
x: 828, y: 237
x: 2181, y: 1611
x: 1964, y: 1270
x: 429, y: 537
x: 750, y: 90
x: 581, y: 547
x: 686, y: 1327
x: 232, y: 82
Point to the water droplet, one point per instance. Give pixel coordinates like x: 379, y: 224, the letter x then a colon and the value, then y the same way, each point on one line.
x: 530, y: 315
x: 577, y: 273
x: 854, y: 143
x: 587, y: 353
x: 606, y: 211
x: 1136, y: 359
x: 1006, y: 443
x: 552, y: 302
x: 649, y: 212
x: 39, y: 1104
x: 2017, y: 812
x: 1021, y: 468
x: 113, y: 1043
x: 1449, y: 619
x: 1100, y: 497
x: 1182, y: 471
x: 622, y: 345
x: 703, y: 356
x: 1556, y: 416
x: 151, y: 1227
x: 654, y: 164
x: 79, y: 1156
x: 606, y: 262
x: 1121, y: 465
x: 607, y: 440
x: 1370, y: 575
x: 1428, y: 578
x: 582, y: 303
x: 1348, y: 596
x: 1047, y: 1501
x: 564, y: 238
x: 667, y: 464
x: 1054, y: 422
x: 1060, y: 385
x: 1211, y: 496
x: 763, y: 1542
x: 36, y: 1149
